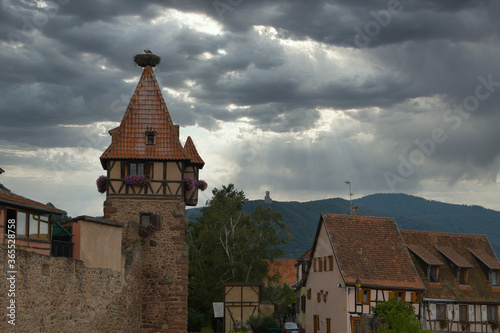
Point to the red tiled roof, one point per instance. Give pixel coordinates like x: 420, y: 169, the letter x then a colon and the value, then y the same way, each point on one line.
x: 479, y: 289
x: 454, y: 257
x: 192, y: 153
x: 14, y: 199
x: 146, y: 111
x: 371, y: 249
x: 485, y: 258
x: 425, y: 255
x: 286, y: 270
x: 306, y: 256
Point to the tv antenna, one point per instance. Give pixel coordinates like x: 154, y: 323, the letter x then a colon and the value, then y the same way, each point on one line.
x: 354, y: 209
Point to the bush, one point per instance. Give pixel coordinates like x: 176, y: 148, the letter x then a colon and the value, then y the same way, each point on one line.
x: 261, y: 324
x: 398, y: 317
x: 195, y: 320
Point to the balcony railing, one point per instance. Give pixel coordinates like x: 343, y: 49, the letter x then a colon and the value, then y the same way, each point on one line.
x: 62, y: 249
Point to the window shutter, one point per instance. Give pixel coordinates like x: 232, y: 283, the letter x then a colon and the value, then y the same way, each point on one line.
x: 471, y: 312
x: 415, y: 297
x: 484, y: 313
x: 320, y: 262
x: 309, y: 294
x: 303, y: 303
x: 360, y: 295
x: 449, y: 309
x: 315, y: 265
x: 432, y: 310
x: 330, y: 259
x: 156, y: 221
x: 392, y: 295
x: 456, y: 308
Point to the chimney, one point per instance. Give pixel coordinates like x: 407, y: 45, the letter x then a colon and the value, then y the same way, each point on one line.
x: 354, y: 210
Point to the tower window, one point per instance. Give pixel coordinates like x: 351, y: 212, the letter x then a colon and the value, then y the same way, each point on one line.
x: 150, y: 136
x: 136, y: 169
x: 145, y: 218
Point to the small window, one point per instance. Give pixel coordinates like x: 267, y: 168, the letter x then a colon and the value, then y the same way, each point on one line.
x: 303, y: 303
x: 309, y: 293
x: 364, y: 296
x: 434, y: 273
x: 399, y: 295
x: 328, y: 324
x: 318, y: 297
x: 494, y: 278
x: 21, y: 224
x: 463, y: 276
x: 464, y: 313
x: 145, y: 219
x: 320, y: 264
x: 136, y: 169
x: 492, y: 312
x: 150, y: 139
x: 416, y: 297
x: 440, y: 311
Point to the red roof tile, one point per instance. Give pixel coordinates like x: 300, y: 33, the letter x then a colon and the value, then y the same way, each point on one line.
x: 371, y: 249
x: 192, y: 153
x: 146, y: 111
x: 454, y: 257
x: 479, y: 289
x: 306, y: 256
x: 485, y: 258
x: 14, y: 199
x: 425, y: 255
x: 286, y: 270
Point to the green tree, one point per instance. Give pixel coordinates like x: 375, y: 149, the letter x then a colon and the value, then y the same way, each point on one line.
x: 398, y: 317
x: 228, y: 245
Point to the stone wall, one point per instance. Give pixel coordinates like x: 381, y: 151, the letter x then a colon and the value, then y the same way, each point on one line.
x: 54, y: 294
x: 165, y: 261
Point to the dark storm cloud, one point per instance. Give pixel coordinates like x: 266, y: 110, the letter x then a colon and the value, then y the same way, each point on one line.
x: 65, y: 64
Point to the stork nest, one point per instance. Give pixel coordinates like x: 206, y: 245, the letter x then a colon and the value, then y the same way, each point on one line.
x: 147, y: 59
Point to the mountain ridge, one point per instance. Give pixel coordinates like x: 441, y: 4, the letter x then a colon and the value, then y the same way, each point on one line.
x: 410, y: 213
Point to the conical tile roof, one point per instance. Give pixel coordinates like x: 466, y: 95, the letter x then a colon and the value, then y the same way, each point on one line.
x: 146, y: 113
x: 190, y: 150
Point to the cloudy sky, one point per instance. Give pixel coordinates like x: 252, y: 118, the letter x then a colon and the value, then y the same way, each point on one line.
x: 294, y: 97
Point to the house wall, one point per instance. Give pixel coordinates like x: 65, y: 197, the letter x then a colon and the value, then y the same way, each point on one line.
x: 477, y: 314
x: 325, y: 283
x: 98, y: 245
x: 56, y: 294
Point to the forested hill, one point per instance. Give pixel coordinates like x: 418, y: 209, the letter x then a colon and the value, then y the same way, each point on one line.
x: 410, y: 212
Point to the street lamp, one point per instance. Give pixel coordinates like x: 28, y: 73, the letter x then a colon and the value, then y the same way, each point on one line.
x: 357, y: 283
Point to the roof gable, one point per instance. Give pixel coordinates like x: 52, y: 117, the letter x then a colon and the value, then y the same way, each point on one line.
x: 146, y: 112
x: 371, y: 249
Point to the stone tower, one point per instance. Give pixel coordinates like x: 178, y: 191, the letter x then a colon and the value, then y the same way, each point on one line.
x: 151, y: 178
